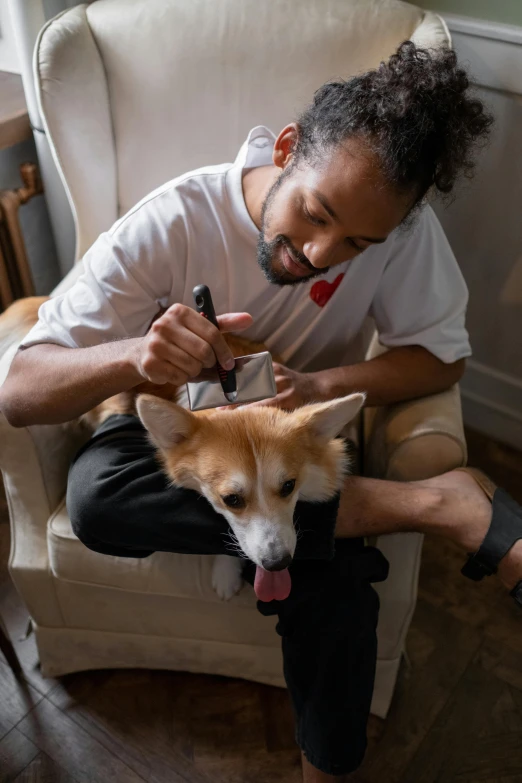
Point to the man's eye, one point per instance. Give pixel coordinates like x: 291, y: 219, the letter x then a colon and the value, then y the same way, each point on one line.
x: 355, y: 246
x: 315, y: 220
x: 233, y: 501
x: 287, y: 488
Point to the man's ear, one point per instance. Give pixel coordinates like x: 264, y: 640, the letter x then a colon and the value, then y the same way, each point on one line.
x: 168, y: 424
x: 327, y: 419
x: 284, y: 146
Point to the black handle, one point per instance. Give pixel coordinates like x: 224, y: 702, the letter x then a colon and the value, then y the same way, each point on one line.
x: 205, y: 306
x: 204, y: 303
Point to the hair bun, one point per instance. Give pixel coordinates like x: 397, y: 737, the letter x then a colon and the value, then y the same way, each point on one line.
x: 416, y: 111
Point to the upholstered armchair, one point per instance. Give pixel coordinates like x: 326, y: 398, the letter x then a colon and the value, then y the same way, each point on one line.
x: 133, y: 93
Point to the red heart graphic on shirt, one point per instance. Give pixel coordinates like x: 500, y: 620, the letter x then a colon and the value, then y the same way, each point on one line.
x: 322, y: 291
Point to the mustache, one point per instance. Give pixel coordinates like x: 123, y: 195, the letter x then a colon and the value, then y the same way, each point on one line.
x: 293, y: 252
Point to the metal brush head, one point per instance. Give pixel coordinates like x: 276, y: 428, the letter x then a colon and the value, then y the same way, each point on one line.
x: 255, y: 381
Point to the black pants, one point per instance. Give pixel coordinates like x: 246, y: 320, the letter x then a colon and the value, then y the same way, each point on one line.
x: 120, y: 503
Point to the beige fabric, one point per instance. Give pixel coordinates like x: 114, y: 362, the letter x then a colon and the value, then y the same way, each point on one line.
x: 432, y: 33
x: 76, y: 115
x: 399, y: 437
x: 64, y: 650
x: 126, y: 109
x: 173, y: 578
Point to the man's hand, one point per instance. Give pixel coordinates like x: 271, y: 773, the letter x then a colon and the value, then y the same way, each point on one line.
x: 180, y: 343
x: 294, y: 389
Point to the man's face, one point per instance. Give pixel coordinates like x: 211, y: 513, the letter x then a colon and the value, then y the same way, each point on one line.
x: 321, y: 214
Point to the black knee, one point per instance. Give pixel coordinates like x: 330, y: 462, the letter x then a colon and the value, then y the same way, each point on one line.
x: 92, y: 507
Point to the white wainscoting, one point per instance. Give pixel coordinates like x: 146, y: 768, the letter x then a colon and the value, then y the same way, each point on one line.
x: 8, y: 54
x: 484, y: 226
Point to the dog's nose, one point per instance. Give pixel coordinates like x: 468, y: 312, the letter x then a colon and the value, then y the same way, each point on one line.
x: 277, y: 565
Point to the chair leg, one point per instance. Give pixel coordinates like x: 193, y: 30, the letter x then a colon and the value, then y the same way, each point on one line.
x: 8, y: 650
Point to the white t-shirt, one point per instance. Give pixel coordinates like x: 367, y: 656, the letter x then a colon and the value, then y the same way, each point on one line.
x: 196, y: 229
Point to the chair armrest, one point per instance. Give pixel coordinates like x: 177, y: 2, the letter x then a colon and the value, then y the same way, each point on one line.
x: 415, y: 440
x: 34, y: 462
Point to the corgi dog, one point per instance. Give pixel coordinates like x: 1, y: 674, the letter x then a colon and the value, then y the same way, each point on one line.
x: 251, y: 463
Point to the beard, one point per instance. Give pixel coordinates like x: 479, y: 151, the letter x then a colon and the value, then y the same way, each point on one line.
x: 268, y: 250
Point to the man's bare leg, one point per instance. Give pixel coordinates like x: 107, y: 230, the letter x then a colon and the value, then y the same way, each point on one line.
x: 451, y: 505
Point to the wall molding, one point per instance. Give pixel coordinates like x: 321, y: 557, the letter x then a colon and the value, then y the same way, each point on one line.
x: 492, y: 402
x: 491, y: 399
x: 481, y: 28
x: 8, y: 54
x: 492, y: 51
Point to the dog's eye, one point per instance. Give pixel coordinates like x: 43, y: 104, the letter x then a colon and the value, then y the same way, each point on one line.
x: 233, y: 501
x: 287, y: 488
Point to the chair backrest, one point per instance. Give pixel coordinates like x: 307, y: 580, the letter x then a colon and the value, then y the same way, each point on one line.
x: 135, y: 92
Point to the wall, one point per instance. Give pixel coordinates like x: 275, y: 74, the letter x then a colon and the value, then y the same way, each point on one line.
x: 34, y: 219
x: 484, y: 226
x: 507, y: 11
x: 34, y: 216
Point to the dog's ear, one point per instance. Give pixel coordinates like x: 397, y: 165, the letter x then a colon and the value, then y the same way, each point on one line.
x: 168, y: 424
x: 327, y: 419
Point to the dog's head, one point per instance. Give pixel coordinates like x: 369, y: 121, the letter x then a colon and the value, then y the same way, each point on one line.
x: 252, y: 464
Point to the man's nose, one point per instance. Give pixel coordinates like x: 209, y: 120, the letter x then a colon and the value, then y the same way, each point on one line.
x: 321, y: 252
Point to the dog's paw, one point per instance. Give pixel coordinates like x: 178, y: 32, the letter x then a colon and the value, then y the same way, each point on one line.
x: 226, y: 576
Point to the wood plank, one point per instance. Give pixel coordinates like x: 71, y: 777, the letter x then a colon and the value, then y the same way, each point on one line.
x: 502, y: 662
x: 478, y: 735
x: 143, y: 717
x: 278, y: 719
x: 8, y: 651
x: 256, y: 767
x: 44, y: 770
x: 73, y: 748
x: 421, y: 692
x: 17, y: 698
x: 501, y: 462
x: 485, y: 606
x: 455, y: 732
x: 16, y: 752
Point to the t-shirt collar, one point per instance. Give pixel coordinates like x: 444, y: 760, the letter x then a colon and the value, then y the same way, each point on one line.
x: 255, y: 151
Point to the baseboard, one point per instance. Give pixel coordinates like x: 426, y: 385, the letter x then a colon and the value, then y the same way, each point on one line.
x: 492, y: 403
x: 492, y: 51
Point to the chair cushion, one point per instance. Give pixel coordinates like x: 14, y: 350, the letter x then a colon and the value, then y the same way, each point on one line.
x: 162, y: 573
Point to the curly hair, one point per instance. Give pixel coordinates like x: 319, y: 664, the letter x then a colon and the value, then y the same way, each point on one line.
x: 415, y: 112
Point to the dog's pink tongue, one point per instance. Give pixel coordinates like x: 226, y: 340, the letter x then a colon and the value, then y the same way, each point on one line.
x: 272, y: 585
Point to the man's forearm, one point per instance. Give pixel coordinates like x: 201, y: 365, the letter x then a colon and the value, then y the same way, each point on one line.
x: 50, y: 384
x: 399, y: 374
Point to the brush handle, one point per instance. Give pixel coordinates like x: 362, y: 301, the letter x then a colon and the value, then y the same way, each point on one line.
x: 205, y: 306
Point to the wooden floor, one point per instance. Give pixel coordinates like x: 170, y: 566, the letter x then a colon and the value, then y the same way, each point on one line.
x: 456, y: 716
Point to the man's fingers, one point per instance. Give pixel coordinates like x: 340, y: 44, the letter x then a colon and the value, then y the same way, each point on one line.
x: 234, y: 322
x: 202, y: 339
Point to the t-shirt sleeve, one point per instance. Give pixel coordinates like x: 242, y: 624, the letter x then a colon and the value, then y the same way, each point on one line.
x: 126, y: 279
x: 421, y: 298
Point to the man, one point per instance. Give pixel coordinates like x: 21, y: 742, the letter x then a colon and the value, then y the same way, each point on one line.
x: 329, y: 199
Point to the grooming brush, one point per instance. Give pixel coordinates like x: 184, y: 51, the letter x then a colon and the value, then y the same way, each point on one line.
x: 252, y: 378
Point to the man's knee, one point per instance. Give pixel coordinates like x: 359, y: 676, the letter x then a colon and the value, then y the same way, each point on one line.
x: 94, y: 499
x: 87, y: 506
x: 92, y: 516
